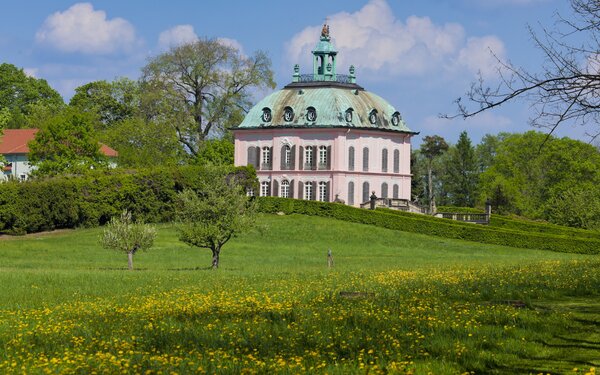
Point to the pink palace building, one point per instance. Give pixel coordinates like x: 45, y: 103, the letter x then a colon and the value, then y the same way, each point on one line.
x: 324, y: 137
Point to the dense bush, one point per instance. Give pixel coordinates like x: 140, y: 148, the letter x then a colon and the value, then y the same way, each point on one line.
x: 72, y: 201
x: 432, y: 226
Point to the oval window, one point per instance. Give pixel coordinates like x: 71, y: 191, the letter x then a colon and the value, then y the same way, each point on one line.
x: 395, y: 119
x: 311, y: 114
x: 349, y: 115
x: 288, y: 114
x: 266, y: 115
x: 373, y: 117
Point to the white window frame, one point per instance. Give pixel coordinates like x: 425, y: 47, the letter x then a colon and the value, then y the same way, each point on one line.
x: 264, y: 188
x: 322, y: 155
x: 308, y: 155
x: 266, y: 155
x: 322, y: 191
x: 285, y: 189
x: 308, y: 190
x: 249, y: 192
x: 287, y: 155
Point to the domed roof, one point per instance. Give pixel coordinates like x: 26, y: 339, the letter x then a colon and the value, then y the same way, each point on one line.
x: 324, y: 99
x: 331, y: 105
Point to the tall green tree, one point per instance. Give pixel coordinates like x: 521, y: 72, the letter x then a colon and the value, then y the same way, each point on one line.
x: 202, y: 88
x: 432, y: 147
x: 112, y: 101
x: 19, y: 92
x: 143, y: 143
x: 460, y: 179
x: 216, y: 152
x: 66, y: 144
x: 526, y: 177
x: 219, y: 211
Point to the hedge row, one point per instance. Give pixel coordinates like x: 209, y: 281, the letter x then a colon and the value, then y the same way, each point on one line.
x: 503, y: 222
x: 90, y: 200
x: 431, y: 226
x: 546, y: 228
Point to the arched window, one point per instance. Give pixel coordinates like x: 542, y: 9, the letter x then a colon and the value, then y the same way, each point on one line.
x: 373, y: 117
x: 396, y: 161
x: 351, y: 158
x: 365, y: 159
x: 323, y: 196
x: 351, y: 193
x: 384, y: 160
x: 285, y: 189
x: 384, y: 190
x: 265, y: 188
x: 396, y: 193
x: 308, y: 191
x: 365, y: 192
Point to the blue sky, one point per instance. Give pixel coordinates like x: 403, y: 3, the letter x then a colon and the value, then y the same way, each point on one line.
x: 419, y: 55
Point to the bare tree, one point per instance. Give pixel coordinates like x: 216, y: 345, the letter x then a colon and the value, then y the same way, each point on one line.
x: 566, y: 89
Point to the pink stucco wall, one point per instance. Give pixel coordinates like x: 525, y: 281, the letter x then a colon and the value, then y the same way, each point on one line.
x: 339, y: 175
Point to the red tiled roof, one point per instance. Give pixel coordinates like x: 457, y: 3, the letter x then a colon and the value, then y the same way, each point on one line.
x: 15, y: 141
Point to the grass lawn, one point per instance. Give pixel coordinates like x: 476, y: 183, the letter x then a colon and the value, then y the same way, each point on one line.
x: 394, y: 302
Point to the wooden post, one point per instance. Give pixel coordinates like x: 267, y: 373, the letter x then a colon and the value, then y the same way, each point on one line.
x: 329, y: 258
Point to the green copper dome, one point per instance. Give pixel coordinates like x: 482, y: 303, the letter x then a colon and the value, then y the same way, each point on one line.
x: 324, y: 99
x: 331, y: 105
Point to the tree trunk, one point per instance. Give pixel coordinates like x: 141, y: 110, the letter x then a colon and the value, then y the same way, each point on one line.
x: 130, y: 260
x: 430, y: 185
x: 215, y: 258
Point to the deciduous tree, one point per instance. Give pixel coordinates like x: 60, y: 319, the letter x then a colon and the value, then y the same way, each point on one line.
x: 202, y: 87
x: 565, y: 88
x: 18, y: 92
x: 112, y: 101
x: 213, y: 215
x: 66, y: 144
x: 124, y: 235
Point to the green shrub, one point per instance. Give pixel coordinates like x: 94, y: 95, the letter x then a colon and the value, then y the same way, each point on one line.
x: 428, y: 225
x: 92, y: 199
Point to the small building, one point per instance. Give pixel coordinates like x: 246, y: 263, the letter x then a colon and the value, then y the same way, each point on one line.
x: 14, y: 146
x: 324, y: 137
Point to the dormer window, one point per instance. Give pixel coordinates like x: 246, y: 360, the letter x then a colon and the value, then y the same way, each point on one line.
x: 288, y: 114
x: 266, y: 115
x: 373, y: 117
x: 349, y: 115
x: 396, y: 118
x: 311, y: 114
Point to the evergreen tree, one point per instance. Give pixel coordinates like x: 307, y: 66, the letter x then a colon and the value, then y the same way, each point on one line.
x: 460, y: 179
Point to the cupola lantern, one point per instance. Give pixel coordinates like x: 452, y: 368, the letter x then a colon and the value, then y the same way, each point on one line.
x: 324, y: 56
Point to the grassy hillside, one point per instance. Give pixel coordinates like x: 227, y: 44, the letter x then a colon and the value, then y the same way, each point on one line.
x: 394, y: 302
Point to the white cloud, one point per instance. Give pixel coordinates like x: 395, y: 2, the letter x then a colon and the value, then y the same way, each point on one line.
x: 232, y: 43
x: 176, y: 36
x: 374, y: 39
x: 83, y: 29
x: 481, y: 55
x: 31, y: 72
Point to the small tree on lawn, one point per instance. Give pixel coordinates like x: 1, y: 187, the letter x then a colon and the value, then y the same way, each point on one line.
x: 211, y: 217
x: 124, y: 235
